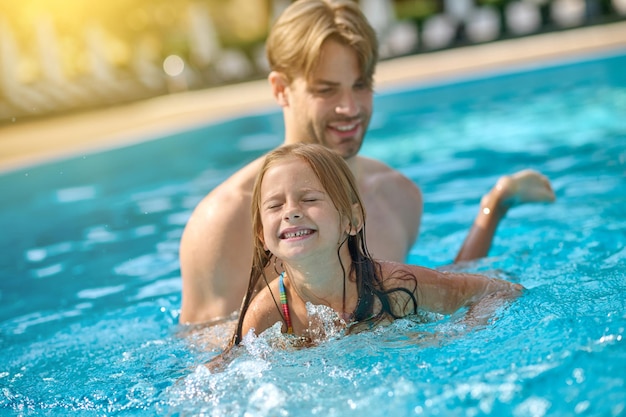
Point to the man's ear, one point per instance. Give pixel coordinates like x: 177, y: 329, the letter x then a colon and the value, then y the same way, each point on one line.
x: 356, y: 222
x: 279, y: 84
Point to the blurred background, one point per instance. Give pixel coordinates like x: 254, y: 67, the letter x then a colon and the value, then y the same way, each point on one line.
x: 60, y: 56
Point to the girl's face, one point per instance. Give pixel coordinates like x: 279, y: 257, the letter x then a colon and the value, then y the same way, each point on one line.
x: 299, y: 219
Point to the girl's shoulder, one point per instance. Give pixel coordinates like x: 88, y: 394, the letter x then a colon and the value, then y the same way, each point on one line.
x: 264, y: 299
x: 263, y: 311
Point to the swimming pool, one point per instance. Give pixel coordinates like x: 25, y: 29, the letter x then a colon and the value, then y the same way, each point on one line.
x: 90, y: 281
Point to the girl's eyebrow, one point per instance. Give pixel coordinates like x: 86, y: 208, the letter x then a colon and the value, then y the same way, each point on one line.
x: 313, y: 190
x: 270, y: 197
x: 278, y: 195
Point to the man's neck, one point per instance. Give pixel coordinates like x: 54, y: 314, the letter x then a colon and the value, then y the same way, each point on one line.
x: 355, y: 166
x: 353, y: 162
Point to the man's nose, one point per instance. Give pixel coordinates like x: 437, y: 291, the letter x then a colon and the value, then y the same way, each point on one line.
x: 347, y: 105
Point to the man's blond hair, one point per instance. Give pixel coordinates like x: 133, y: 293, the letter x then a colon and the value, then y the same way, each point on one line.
x: 295, y: 41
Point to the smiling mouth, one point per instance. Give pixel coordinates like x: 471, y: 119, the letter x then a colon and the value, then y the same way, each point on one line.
x: 346, y: 128
x: 299, y: 233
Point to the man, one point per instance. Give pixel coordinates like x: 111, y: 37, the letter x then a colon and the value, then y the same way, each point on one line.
x: 322, y: 55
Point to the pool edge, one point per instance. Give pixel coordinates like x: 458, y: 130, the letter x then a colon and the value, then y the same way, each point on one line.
x: 40, y: 141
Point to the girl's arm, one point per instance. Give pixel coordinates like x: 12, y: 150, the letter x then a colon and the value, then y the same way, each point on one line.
x: 447, y: 292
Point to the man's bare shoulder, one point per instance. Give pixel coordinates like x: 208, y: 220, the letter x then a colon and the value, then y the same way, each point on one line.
x: 394, y: 208
x: 380, y: 178
x: 225, y: 209
x: 373, y: 165
x: 241, y: 181
x: 237, y: 188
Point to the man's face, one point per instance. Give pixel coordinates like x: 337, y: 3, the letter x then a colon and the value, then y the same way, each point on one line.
x: 334, y: 106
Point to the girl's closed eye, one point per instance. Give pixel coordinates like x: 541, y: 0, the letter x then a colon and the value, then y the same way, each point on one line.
x: 313, y: 197
x: 272, y: 205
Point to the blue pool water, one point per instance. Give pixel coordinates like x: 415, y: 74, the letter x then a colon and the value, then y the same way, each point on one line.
x: 90, y: 280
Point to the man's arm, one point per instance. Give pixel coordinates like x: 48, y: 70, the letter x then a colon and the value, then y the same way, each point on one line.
x: 215, y: 258
x: 216, y: 250
x: 526, y: 186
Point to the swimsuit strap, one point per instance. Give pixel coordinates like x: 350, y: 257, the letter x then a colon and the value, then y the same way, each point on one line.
x: 283, y: 303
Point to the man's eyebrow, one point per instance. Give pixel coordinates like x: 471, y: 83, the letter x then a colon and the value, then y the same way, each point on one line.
x: 324, y: 82
x: 320, y: 81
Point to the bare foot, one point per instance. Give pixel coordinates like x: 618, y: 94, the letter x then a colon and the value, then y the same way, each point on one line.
x: 525, y: 186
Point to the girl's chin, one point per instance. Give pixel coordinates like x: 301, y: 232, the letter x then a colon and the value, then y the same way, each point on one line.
x: 293, y: 254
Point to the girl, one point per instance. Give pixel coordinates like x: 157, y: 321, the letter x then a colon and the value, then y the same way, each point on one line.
x: 309, y: 222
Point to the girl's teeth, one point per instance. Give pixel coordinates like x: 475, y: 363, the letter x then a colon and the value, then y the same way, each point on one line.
x: 297, y: 234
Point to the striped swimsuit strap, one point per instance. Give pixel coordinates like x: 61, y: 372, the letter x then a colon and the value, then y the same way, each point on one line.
x: 284, y: 304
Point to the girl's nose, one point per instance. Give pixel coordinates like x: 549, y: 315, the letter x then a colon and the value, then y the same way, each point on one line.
x: 293, y: 212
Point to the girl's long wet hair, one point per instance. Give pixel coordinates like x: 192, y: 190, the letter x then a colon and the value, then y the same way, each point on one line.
x: 340, y: 185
